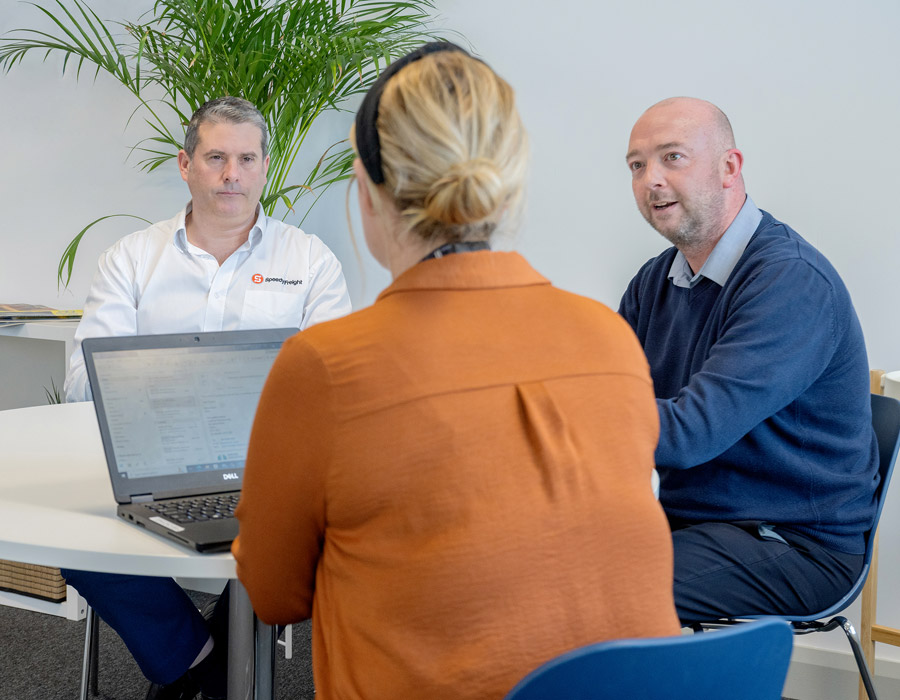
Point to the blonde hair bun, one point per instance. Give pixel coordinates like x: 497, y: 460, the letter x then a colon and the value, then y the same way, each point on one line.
x: 453, y: 148
x: 469, y: 192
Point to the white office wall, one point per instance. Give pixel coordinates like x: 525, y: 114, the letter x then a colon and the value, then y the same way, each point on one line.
x: 810, y: 86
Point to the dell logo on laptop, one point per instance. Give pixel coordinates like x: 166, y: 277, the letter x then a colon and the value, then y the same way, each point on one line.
x: 229, y: 476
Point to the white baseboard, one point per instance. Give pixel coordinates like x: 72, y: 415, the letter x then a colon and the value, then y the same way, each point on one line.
x: 825, y: 674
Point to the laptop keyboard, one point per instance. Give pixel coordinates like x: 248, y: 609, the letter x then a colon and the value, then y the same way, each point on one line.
x: 197, y: 509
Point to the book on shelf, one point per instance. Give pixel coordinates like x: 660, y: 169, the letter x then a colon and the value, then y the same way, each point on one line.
x: 11, y: 314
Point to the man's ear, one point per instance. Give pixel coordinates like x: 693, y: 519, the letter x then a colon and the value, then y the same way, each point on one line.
x: 184, y: 162
x: 733, y: 162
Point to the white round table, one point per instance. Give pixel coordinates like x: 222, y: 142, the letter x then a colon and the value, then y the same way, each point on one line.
x: 57, y: 509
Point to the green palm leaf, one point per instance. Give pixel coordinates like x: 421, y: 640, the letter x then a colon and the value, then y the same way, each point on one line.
x: 67, y: 261
x: 294, y: 59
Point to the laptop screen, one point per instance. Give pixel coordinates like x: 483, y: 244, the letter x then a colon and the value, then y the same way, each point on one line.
x: 175, y: 411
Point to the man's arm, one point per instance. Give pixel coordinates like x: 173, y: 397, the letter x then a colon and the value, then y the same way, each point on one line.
x: 110, y: 310
x: 630, y: 304
x: 328, y: 297
x: 282, y: 507
x: 778, y: 337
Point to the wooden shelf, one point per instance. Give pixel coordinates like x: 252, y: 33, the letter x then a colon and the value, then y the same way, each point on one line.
x: 886, y: 635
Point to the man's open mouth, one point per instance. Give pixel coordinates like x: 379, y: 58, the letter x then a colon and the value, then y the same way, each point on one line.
x: 659, y: 206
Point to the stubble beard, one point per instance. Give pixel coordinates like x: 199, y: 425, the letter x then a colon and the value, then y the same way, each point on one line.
x: 700, y: 222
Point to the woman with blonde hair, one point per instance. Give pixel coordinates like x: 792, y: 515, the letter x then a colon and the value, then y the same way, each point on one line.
x: 454, y: 482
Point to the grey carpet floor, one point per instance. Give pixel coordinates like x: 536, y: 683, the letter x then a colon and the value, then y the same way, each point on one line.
x: 41, y: 655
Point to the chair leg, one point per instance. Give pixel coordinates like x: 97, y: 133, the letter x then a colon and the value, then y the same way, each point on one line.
x: 288, y: 641
x: 89, y: 666
x: 847, y: 626
x: 95, y: 657
x: 869, y: 605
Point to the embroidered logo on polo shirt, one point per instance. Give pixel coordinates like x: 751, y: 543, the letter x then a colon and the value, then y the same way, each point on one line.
x: 259, y: 279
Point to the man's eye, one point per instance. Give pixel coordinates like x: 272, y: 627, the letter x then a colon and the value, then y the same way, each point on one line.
x: 673, y: 156
x: 635, y: 166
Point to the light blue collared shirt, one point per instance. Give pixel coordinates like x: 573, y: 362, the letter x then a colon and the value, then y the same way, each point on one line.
x: 725, y: 255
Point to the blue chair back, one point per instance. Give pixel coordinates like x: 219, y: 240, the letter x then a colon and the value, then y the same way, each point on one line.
x: 745, y: 662
x: 886, y: 422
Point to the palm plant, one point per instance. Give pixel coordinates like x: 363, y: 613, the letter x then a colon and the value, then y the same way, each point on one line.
x: 294, y: 59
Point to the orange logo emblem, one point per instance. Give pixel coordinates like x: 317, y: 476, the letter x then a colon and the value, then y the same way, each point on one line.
x: 257, y: 278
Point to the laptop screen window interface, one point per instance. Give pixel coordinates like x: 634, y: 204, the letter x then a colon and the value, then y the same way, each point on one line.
x: 181, y: 410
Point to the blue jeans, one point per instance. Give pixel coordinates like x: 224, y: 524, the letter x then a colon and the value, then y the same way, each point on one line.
x: 153, y: 615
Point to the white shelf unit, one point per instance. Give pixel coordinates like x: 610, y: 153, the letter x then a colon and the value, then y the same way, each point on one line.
x: 33, y: 357
x: 73, y: 607
x: 32, y: 353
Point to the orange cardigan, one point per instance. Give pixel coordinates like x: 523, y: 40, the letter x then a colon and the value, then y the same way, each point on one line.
x: 455, y: 484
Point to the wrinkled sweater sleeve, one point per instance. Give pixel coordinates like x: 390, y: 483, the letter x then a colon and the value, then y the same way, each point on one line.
x: 282, y: 506
x: 777, y: 336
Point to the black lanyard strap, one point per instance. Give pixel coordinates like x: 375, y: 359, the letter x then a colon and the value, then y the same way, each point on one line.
x: 459, y: 247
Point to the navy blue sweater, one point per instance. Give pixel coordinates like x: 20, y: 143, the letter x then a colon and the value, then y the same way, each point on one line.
x: 763, y: 391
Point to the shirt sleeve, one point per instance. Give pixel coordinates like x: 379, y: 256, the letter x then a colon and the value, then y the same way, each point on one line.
x: 777, y: 337
x: 282, y: 506
x: 110, y: 310
x: 328, y: 297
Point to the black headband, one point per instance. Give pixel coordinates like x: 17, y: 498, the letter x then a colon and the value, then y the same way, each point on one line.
x: 368, y: 145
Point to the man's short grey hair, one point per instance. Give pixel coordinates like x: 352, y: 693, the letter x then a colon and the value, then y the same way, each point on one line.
x: 234, y: 110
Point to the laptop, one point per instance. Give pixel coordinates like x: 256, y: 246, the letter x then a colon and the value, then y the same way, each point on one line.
x: 175, y: 413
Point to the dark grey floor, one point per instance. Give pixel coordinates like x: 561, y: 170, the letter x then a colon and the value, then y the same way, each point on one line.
x: 40, y: 659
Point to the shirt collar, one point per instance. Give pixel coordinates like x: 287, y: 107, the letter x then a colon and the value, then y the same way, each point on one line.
x: 253, y: 239
x: 725, y: 255
x: 478, y: 270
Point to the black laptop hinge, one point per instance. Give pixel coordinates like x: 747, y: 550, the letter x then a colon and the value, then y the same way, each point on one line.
x: 143, y: 498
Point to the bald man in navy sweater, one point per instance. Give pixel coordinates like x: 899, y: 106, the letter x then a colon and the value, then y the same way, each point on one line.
x: 767, y: 457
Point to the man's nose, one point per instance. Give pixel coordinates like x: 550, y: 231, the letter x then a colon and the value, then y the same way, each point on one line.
x: 231, y: 171
x: 654, y: 176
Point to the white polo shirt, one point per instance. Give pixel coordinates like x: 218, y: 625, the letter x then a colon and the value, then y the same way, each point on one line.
x: 155, y: 281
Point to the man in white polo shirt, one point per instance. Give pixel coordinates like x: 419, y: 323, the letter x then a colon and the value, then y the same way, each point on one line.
x: 220, y: 264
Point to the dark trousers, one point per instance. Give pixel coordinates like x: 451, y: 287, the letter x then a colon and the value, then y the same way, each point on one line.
x: 749, y: 568
x: 154, y: 617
